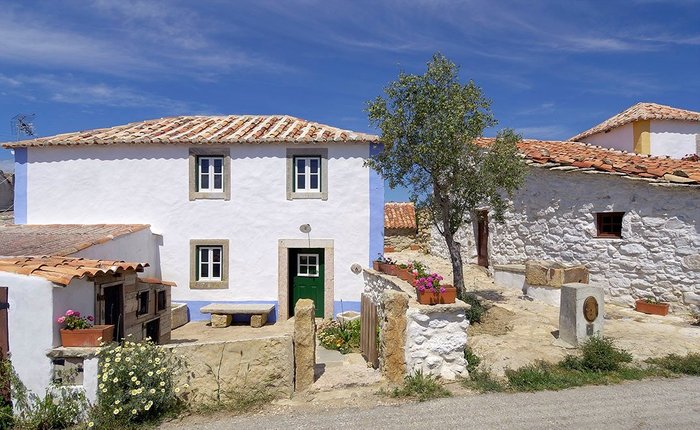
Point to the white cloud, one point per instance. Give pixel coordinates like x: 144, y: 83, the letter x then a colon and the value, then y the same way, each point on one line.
x: 544, y: 132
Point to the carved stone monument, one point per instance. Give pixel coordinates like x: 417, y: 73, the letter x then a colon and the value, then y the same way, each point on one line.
x: 581, y: 312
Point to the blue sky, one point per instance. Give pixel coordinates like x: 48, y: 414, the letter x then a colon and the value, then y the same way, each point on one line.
x: 551, y: 68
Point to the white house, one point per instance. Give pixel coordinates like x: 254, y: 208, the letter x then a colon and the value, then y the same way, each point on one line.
x: 633, y: 220
x: 264, y: 209
x: 649, y: 129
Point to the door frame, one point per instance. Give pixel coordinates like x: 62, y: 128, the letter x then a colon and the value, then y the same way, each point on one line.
x: 283, y: 286
x: 294, y: 267
x: 101, y: 305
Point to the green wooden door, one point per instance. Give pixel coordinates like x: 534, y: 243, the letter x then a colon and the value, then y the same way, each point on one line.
x: 306, y: 269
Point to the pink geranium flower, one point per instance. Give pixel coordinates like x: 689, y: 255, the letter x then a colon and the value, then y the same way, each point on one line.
x: 61, y: 320
x: 90, y: 318
x: 70, y: 312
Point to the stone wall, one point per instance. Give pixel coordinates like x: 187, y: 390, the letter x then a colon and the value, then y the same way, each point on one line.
x: 435, y: 336
x: 553, y: 218
x: 242, y: 366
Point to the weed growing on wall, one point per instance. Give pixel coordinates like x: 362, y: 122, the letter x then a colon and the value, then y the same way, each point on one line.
x: 137, y: 383
x: 343, y: 337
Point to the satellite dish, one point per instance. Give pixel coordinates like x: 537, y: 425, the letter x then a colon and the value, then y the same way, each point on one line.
x: 356, y: 269
x: 305, y: 228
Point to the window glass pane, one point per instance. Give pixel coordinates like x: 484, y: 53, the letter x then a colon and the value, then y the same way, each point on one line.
x: 218, y: 165
x: 312, y: 270
x: 218, y: 180
x: 301, y: 165
x: 203, y: 255
x: 204, y: 182
x: 302, y: 259
x: 204, y: 270
x: 301, y: 182
x: 217, y: 255
x: 216, y: 270
x: 204, y: 165
x: 313, y: 182
x: 313, y: 165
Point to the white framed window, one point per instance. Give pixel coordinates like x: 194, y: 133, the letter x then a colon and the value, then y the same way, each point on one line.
x: 307, y: 265
x: 210, y: 174
x: 209, y: 263
x: 307, y: 174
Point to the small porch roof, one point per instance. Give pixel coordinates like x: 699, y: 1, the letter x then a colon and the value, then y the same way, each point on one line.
x: 62, y: 270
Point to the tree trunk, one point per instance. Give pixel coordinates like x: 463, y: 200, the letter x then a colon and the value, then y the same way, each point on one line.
x: 456, y: 259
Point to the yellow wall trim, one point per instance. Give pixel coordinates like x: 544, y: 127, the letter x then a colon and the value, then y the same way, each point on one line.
x: 642, y: 144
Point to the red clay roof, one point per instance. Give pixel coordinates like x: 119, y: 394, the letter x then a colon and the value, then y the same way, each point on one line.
x: 581, y: 156
x: 62, y: 271
x: 400, y: 215
x: 206, y: 130
x: 58, y: 239
x: 156, y: 281
x: 640, y: 112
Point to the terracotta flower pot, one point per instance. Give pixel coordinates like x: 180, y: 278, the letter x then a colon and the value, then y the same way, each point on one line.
x: 427, y: 297
x: 406, y: 275
x: 92, y: 336
x: 651, y: 308
x: 375, y: 265
x: 390, y: 269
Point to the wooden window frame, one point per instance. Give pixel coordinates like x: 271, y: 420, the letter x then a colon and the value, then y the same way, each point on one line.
x: 294, y: 154
x: 211, y: 173
x: 139, y: 294
x: 307, y: 265
x: 161, y: 294
x: 210, y: 263
x: 608, y: 221
x: 307, y: 174
x: 197, y: 284
x: 197, y: 154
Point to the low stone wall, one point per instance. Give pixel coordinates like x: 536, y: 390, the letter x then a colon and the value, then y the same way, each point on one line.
x: 229, y: 368
x: 433, y: 338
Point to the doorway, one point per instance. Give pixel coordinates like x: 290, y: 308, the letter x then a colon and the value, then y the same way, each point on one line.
x: 306, y: 277
x: 112, y: 311
x: 482, y: 238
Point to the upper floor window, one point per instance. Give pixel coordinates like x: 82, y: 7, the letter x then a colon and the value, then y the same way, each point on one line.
x: 609, y: 224
x: 210, y: 174
x: 307, y: 172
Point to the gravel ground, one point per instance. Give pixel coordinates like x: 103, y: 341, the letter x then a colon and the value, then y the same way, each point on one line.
x: 650, y: 404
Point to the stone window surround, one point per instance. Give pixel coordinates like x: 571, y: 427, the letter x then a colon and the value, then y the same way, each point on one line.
x: 308, y: 152
x: 283, y: 273
x: 209, y: 285
x: 211, y: 152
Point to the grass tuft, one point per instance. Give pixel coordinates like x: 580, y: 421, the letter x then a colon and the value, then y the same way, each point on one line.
x: 477, y: 310
x: 483, y: 382
x: 473, y: 360
x: 688, y: 365
x: 422, y: 387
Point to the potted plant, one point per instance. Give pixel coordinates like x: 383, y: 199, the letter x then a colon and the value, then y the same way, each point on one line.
x: 77, y: 330
x: 430, y: 292
x: 651, y: 306
x: 387, y: 265
x: 405, y: 272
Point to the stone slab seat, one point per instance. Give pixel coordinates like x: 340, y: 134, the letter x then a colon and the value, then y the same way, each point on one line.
x: 222, y: 313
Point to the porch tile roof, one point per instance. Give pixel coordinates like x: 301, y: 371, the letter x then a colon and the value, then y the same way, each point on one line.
x: 640, y: 112
x: 399, y: 215
x: 62, y: 271
x: 206, y: 130
x: 58, y: 239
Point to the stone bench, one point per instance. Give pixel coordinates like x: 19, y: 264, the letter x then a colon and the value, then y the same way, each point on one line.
x: 222, y: 313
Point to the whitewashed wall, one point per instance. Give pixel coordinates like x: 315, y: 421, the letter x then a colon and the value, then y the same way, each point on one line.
x: 149, y: 184
x: 674, y: 138
x: 620, y: 138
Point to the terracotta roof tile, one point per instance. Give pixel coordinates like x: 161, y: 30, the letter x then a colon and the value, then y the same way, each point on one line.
x: 62, y: 271
x: 58, y: 239
x: 399, y: 215
x: 156, y: 281
x: 583, y: 156
x: 640, y: 112
x: 206, y: 130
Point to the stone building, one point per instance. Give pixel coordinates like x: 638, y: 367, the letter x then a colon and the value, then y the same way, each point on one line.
x: 7, y: 191
x: 400, y: 226
x: 633, y: 221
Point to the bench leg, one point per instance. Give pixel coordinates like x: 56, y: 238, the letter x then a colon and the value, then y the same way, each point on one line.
x: 258, y: 320
x: 220, y: 320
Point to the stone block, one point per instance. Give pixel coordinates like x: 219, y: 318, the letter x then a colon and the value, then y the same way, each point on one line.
x: 536, y: 272
x: 691, y: 298
x: 221, y: 320
x: 551, y: 274
x: 393, y: 336
x: 581, y: 312
x: 257, y: 321
x: 178, y: 315
x: 304, y: 344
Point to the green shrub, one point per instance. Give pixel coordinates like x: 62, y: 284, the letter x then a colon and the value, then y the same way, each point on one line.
x: 483, y: 382
x: 473, y: 360
x: 477, y: 310
x: 689, y: 364
x: 598, y: 354
x: 136, y: 384
x: 343, y: 337
x: 422, y: 387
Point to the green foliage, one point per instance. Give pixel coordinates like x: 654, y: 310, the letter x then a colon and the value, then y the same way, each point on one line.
x: 429, y: 125
x: 477, y: 310
x: 343, y: 337
x: 236, y: 402
x: 483, y: 382
x: 689, y: 365
x: 473, y: 360
x: 598, y: 354
x: 7, y: 418
x: 137, y: 383
x: 421, y: 268
x: 422, y: 387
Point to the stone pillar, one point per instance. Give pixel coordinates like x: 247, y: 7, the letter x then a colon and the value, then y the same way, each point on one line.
x: 304, y: 344
x: 393, y: 336
x: 581, y: 312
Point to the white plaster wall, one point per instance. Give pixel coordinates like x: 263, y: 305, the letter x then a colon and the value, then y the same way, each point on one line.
x: 141, y: 246
x: 90, y: 381
x: 674, y: 138
x: 465, y: 236
x: 149, y: 184
x: 30, y: 326
x: 620, y: 138
x: 79, y: 296
x: 553, y: 219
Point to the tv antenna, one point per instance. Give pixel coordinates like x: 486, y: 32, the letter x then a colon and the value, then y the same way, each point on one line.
x: 22, y: 125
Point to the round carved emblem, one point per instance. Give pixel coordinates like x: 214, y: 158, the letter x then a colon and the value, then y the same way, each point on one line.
x: 590, y: 309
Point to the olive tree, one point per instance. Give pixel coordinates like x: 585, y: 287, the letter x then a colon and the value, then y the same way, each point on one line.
x: 430, y: 125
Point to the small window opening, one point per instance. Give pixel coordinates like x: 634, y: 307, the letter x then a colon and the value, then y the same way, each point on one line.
x: 609, y: 224
x: 142, y: 298
x: 162, y: 301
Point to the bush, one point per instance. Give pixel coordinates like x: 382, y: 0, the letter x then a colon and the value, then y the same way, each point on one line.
x: 477, y: 310
x: 136, y: 384
x: 689, y: 365
x: 343, y: 337
x: 598, y: 354
x: 422, y: 387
